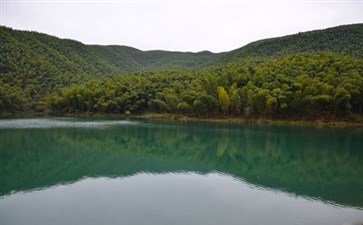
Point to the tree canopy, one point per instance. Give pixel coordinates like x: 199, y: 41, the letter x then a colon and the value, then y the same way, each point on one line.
x: 301, y: 84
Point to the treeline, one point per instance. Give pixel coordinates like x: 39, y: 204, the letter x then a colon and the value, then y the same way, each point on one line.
x: 307, y: 84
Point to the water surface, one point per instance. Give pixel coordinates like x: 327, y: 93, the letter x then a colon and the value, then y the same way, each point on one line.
x: 102, y: 171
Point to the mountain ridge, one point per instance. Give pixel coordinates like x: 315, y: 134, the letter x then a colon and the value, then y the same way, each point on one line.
x: 329, y: 39
x: 346, y: 39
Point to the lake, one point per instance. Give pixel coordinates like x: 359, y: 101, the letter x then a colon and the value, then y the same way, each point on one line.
x: 136, y: 172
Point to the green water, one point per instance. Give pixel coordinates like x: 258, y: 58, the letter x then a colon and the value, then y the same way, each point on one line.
x: 135, y: 172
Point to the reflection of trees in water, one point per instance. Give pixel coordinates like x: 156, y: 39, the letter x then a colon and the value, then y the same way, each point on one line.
x: 317, y: 162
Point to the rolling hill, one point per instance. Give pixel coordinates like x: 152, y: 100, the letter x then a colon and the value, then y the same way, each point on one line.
x: 100, y: 61
x: 347, y: 39
x: 52, y: 54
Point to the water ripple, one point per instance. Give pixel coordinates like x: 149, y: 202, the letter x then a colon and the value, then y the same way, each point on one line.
x: 60, y: 123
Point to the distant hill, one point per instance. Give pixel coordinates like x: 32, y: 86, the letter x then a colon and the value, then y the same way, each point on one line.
x: 347, y: 39
x: 54, y: 55
x: 73, y: 56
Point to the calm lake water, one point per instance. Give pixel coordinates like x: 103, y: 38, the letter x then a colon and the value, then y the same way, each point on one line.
x: 135, y: 172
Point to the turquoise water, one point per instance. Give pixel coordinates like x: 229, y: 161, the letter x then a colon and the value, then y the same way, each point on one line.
x: 107, y: 171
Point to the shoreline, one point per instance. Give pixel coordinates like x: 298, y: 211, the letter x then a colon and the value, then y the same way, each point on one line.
x: 240, y: 120
x: 318, y: 122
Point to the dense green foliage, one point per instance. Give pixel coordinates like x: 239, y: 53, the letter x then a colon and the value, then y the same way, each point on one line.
x: 346, y: 39
x: 302, y: 84
x: 64, y: 55
x: 35, y: 64
x: 39, y: 72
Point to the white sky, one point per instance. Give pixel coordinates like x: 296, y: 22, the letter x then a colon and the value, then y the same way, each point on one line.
x: 176, y: 25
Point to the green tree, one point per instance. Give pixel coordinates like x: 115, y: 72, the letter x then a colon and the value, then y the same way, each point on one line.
x: 235, y: 102
x: 223, y: 99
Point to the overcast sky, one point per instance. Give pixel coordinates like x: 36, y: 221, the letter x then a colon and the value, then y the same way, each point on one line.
x: 176, y: 25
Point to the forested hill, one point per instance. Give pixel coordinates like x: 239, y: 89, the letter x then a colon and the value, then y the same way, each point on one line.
x: 21, y: 48
x: 314, y: 74
x: 347, y: 39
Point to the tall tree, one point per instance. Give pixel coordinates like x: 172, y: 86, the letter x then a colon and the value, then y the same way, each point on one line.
x: 223, y: 99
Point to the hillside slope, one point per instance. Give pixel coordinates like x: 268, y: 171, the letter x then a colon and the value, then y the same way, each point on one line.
x: 346, y: 39
x: 54, y: 55
x: 73, y: 56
